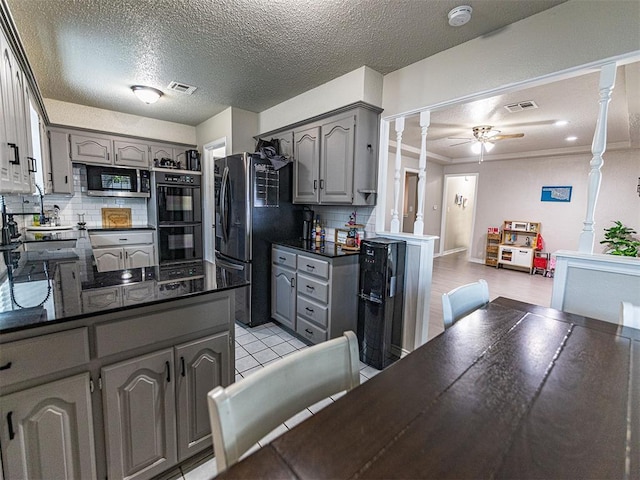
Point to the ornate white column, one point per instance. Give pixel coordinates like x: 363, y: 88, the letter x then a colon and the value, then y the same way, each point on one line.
x: 607, y: 81
x: 425, y: 121
x: 395, y: 218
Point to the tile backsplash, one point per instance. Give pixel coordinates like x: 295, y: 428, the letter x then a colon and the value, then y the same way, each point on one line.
x: 80, y: 203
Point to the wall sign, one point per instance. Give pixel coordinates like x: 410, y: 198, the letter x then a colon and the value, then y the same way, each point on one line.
x: 556, y: 194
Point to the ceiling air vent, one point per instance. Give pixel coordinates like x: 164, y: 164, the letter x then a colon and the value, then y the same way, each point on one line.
x: 182, y: 88
x: 520, y: 106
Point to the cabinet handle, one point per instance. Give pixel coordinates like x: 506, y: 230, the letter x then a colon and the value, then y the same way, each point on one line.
x: 309, y: 287
x: 282, y: 259
x: 12, y: 433
x: 308, y: 331
x: 321, y: 184
x: 310, y: 267
x: 315, y: 184
x: 34, y: 166
x: 293, y: 282
x: 120, y: 255
x: 66, y: 178
x: 168, y: 365
x: 16, y: 154
x: 6, y: 366
x: 308, y: 309
x: 183, y: 370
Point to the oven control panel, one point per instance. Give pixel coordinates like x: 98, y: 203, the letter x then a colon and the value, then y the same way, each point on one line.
x: 179, y: 179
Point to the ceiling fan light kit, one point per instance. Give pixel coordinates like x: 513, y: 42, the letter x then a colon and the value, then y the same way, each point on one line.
x: 460, y: 15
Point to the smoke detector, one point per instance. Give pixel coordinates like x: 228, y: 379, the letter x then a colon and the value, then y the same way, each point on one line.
x: 460, y: 15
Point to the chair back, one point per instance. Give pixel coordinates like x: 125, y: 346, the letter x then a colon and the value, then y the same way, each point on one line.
x: 463, y: 300
x: 247, y: 410
x: 630, y: 315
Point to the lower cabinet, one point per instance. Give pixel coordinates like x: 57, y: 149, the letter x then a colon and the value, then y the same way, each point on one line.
x: 121, y: 258
x: 155, y: 406
x: 49, y: 431
x: 515, y: 256
x: 314, y: 295
x: 96, y: 299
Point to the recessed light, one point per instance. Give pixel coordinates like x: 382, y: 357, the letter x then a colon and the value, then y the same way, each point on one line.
x: 571, y: 139
x: 561, y: 123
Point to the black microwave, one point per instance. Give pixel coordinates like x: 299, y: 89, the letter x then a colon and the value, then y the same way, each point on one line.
x: 118, y: 182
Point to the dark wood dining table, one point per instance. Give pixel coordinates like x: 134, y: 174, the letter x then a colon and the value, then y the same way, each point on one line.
x: 512, y: 390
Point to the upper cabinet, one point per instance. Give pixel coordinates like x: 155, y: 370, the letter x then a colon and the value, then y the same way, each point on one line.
x: 335, y: 155
x: 107, y: 150
x: 16, y: 150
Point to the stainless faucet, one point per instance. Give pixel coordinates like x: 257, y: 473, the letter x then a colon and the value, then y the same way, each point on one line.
x: 43, y: 218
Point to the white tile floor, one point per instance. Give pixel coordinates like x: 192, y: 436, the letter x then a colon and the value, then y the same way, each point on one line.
x: 255, y: 348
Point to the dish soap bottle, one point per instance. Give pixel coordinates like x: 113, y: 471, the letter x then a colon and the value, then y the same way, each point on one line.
x: 318, y: 230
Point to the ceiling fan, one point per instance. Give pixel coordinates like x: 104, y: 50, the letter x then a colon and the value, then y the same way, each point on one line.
x: 484, y: 138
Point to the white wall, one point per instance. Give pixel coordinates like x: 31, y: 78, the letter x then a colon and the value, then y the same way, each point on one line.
x: 459, y: 214
x: 236, y: 125
x: 81, y: 116
x: 218, y: 126
x: 363, y: 84
x: 570, y: 35
x: 511, y: 190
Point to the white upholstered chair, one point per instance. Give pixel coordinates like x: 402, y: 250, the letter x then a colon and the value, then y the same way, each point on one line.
x: 630, y: 315
x: 247, y: 410
x: 463, y: 300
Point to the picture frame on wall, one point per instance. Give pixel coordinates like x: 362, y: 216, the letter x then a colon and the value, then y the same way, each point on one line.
x: 556, y: 193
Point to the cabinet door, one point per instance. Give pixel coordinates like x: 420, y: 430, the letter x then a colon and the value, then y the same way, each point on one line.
x: 138, y: 256
x: 131, y: 154
x: 8, y: 124
x: 286, y: 143
x: 336, y: 164
x: 86, y: 149
x: 201, y: 366
x: 67, y: 298
x: 307, y: 165
x: 60, y: 162
x: 180, y: 157
x: 101, y: 299
x: 138, y: 399
x: 137, y: 292
x: 283, y: 296
x: 22, y: 175
x: 108, y: 259
x: 158, y: 152
x: 47, y: 431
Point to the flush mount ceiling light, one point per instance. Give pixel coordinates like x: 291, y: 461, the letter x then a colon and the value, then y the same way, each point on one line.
x: 146, y: 94
x: 460, y: 15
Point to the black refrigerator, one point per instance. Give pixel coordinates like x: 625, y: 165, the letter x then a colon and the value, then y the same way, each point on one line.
x: 253, y: 209
x: 381, y: 301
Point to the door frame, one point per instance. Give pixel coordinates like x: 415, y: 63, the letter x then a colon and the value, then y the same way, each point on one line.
x: 443, y: 219
x: 403, y: 192
x: 208, y: 197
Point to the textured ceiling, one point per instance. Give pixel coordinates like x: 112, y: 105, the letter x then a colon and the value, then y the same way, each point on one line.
x: 251, y: 54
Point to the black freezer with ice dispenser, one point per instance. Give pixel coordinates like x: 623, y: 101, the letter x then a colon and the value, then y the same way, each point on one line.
x: 381, y: 298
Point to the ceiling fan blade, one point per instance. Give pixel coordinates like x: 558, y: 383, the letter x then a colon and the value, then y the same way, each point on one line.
x: 504, y: 137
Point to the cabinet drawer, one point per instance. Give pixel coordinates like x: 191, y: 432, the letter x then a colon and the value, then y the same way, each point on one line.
x: 313, y: 266
x: 39, y: 356
x: 311, y: 332
x: 120, y: 238
x: 316, y: 313
x: 315, y: 289
x: 282, y: 257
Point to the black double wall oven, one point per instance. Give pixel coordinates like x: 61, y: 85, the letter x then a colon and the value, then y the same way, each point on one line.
x: 176, y: 210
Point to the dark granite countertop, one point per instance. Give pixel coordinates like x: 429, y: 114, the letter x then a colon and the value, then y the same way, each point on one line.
x: 45, y: 278
x: 327, y: 249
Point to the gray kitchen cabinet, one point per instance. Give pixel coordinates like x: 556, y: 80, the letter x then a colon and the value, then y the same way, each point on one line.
x: 134, y: 293
x: 336, y: 159
x: 96, y: 299
x: 16, y: 148
x: 286, y: 143
x: 91, y: 148
x: 48, y: 431
x: 283, y: 291
x: 138, y: 399
x: 131, y: 154
x: 57, y: 166
x: 67, y: 299
x: 306, y: 168
x: 160, y: 151
x: 322, y: 303
x: 123, y: 249
x: 201, y: 366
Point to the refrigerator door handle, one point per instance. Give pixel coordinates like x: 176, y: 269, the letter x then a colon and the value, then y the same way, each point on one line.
x: 228, y: 265
x: 224, y: 208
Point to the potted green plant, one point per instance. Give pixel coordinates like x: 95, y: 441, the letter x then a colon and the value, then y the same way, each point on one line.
x: 620, y: 240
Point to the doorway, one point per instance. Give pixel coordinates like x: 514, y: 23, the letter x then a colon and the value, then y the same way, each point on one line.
x: 213, y: 150
x: 458, y: 212
x: 410, y: 199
